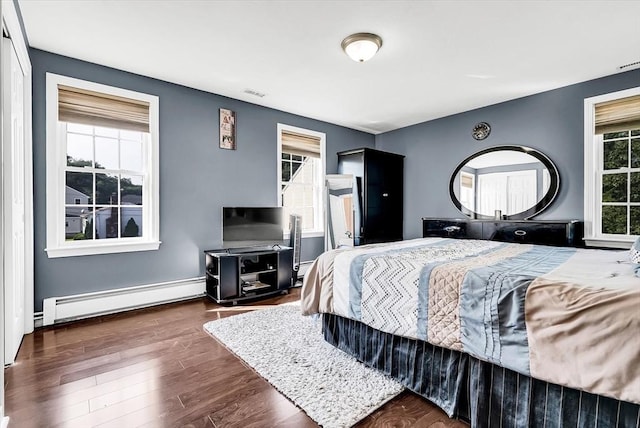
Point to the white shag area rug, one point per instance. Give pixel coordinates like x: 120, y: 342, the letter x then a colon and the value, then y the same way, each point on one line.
x: 287, y: 349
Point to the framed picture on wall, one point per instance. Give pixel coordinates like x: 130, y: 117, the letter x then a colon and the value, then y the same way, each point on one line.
x: 227, y: 129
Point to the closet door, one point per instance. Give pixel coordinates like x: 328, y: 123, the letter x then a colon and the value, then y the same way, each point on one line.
x: 13, y: 170
x: 4, y: 421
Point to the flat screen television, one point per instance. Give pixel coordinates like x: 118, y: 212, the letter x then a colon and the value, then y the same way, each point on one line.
x: 251, y: 226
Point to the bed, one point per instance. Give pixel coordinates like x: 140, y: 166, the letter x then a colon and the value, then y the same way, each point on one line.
x: 498, y: 334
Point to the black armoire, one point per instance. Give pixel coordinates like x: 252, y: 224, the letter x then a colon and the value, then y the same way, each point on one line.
x: 379, y: 179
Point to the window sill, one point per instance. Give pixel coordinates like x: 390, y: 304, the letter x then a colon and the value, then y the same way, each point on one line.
x: 621, y: 243
x: 87, y: 250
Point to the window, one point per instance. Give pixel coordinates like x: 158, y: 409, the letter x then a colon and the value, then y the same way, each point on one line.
x: 612, y: 168
x: 102, y: 175
x: 301, y: 171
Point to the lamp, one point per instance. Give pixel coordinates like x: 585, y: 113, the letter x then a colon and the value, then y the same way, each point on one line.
x: 361, y: 46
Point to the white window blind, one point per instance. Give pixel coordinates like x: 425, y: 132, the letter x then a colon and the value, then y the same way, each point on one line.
x: 301, y: 145
x: 87, y: 107
x: 617, y: 115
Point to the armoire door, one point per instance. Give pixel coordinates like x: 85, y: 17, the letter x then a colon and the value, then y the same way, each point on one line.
x: 384, y: 178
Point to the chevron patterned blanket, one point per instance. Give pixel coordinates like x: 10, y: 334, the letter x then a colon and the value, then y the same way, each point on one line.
x: 564, y: 315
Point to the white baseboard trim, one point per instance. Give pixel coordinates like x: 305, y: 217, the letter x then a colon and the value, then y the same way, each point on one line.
x: 5, y: 422
x: 79, y: 306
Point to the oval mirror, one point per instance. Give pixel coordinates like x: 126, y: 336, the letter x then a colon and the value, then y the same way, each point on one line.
x: 504, y: 182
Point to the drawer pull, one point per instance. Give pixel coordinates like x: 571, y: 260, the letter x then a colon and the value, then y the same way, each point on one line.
x: 451, y: 229
x: 520, y: 232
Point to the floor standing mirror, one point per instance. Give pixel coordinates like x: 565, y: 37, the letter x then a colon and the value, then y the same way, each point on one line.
x: 341, y: 210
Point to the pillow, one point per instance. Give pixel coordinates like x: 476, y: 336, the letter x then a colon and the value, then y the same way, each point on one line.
x: 634, y: 253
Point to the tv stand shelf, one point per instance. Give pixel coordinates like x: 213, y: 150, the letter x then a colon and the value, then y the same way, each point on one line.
x: 237, y: 274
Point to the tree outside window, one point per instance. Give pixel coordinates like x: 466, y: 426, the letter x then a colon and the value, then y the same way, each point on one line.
x: 621, y: 183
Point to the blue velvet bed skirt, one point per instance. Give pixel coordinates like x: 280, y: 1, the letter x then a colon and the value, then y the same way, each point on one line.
x: 469, y: 389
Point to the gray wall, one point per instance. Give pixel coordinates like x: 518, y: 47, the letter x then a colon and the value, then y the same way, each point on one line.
x: 197, y: 179
x: 551, y: 122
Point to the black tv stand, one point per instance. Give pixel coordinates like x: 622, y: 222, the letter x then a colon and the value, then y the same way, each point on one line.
x: 234, y: 275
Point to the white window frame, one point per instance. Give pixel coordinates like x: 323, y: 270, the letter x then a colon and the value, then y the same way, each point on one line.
x: 57, y: 246
x: 319, y: 193
x: 593, y: 158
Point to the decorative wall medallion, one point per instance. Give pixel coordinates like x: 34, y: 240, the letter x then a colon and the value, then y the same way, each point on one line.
x: 481, y: 131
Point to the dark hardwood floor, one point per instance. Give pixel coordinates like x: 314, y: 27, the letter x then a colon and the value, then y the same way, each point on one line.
x: 156, y: 367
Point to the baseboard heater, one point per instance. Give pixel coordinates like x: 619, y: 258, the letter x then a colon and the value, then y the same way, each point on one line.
x: 79, y: 306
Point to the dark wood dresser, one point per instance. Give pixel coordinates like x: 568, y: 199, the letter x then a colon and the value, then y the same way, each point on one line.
x: 563, y: 233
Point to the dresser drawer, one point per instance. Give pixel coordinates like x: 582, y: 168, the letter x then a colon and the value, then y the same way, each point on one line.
x: 444, y: 228
x: 559, y: 234
x: 450, y: 228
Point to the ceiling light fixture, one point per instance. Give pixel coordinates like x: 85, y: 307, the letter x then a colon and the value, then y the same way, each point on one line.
x: 361, y: 46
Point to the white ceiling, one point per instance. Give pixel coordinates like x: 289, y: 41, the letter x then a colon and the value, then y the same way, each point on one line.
x: 438, y: 57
